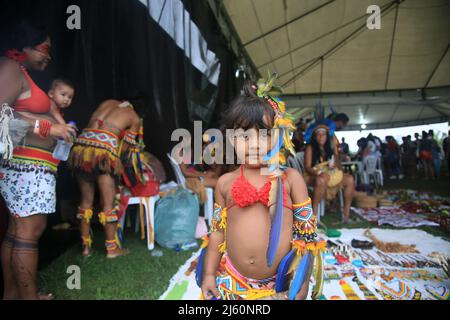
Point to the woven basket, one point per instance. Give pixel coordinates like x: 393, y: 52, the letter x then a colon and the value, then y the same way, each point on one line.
x: 385, y: 203
x: 359, y: 194
x: 366, y: 202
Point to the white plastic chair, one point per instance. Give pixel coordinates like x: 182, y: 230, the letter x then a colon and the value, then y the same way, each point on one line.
x: 297, y: 162
x: 208, y: 206
x: 292, y: 162
x: 178, y: 173
x: 359, y: 174
x: 372, y: 169
x: 148, y: 204
x: 300, y: 156
x: 322, y: 204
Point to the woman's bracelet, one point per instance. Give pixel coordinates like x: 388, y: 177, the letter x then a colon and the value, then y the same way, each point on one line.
x: 42, y: 128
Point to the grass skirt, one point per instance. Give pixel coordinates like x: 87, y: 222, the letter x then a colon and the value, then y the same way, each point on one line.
x: 96, y: 153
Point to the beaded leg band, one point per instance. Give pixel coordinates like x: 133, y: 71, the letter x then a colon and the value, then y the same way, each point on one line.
x: 114, y: 249
x: 108, y: 217
x: 111, y: 245
x: 87, y: 241
x: 85, y: 214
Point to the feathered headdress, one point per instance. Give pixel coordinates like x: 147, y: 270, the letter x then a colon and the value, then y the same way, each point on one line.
x: 283, y: 122
x: 284, y: 126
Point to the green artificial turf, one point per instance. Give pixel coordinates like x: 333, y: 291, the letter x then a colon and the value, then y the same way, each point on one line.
x: 136, y: 276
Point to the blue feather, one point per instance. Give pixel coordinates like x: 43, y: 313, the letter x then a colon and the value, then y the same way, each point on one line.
x: 333, y: 111
x: 300, y: 275
x: 272, y: 153
x: 275, y: 230
x: 120, y: 231
x: 138, y: 155
x: 281, y: 282
x: 199, y: 268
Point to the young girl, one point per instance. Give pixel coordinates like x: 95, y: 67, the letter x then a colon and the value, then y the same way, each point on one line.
x: 263, y: 229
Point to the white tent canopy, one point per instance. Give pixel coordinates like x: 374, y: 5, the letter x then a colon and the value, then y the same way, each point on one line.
x: 379, y: 109
x: 323, y: 51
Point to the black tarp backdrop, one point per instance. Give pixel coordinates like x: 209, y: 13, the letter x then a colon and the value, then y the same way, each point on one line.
x: 228, y: 87
x: 119, y: 50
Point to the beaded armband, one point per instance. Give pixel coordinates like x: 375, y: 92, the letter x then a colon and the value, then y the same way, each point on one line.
x: 305, y: 227
x: 130, y: 138
x: 219, y: 223
x: 219, y: 219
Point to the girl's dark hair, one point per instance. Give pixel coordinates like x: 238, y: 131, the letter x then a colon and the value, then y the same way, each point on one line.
x: 248, y: 111
x: 316, y: 151
x: 23, y: 35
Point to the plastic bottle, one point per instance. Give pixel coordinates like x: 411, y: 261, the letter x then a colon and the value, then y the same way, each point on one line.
x: 189, y: 246
x: 62, y: 149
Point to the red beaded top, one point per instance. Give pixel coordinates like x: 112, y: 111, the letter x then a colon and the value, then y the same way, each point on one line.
x: 245, y: 194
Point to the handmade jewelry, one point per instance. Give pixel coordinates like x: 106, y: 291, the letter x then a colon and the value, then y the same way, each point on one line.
x: 368, y: 295
x: 348, y: 291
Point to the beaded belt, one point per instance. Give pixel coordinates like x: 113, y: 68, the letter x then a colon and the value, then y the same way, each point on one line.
x: 34, y: 156
x: 99, y: 138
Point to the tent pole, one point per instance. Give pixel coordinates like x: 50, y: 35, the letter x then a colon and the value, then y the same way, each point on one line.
x: 437, y: 66
x: 394, y: 29
x: 340, y: 44
x: 288, y: 23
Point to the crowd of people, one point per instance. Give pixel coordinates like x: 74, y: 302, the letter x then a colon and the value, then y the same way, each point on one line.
x: 421, y: 157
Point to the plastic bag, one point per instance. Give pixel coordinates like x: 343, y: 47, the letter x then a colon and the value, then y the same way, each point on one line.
x: 202, y: 228
x: 176, y: 217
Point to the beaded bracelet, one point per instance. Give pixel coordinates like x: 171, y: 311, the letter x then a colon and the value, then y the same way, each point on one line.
x: 130, y: 138
x: 44, y: 128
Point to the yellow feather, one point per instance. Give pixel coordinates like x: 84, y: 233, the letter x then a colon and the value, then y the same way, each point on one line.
x: 294, y: 263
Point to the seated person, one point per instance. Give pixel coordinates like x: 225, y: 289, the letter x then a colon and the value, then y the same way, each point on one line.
x: 199, y: 176
x: 321, y: 162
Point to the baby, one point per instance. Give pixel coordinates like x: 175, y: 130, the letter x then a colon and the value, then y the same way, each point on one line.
x: 61, y: 94
x: 262, y: 240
